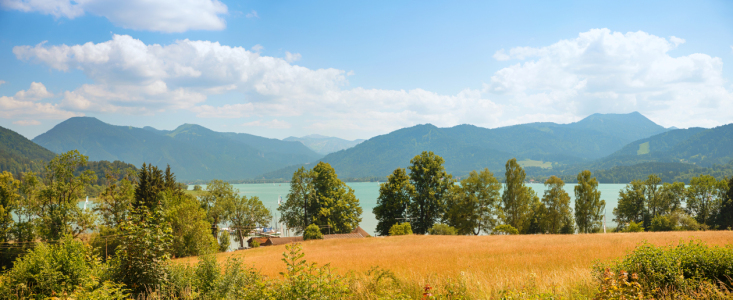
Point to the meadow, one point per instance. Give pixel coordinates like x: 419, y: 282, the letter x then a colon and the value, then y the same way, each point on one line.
x: 484, y: 265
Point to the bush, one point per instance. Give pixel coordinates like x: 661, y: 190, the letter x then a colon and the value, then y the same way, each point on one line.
x: 224, y: 241
x: 505, y: 229
x: 662, y: 223
x: 634, y: 227
x: 680, y: 269
x: 197, y: 188
x: 312, y: 232
x: 400, y: 229
x: 442, y: 229
x: 255, y: 244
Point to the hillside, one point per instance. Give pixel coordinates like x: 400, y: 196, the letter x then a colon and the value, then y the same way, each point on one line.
x: 324, y: 144
x: 468, y: 147
x: 19, y: 154
x: 192, y: 151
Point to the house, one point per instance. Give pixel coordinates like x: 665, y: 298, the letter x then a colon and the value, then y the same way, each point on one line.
x: 274, y: 241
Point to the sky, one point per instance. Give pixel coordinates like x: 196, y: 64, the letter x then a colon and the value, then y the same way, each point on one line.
x: 359, y: 69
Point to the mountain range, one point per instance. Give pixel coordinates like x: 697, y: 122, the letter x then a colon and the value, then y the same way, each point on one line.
x: 324, y: 144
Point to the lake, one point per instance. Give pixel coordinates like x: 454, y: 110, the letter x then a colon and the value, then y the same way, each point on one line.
x: 367, y: 193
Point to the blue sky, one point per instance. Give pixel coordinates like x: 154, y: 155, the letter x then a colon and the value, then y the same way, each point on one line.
x: 356, y: 70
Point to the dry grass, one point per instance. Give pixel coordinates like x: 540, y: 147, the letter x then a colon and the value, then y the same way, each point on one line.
x: 559, y: 263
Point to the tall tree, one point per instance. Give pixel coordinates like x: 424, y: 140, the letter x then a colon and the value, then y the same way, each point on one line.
x: 557, y: 205
x: 473, y: 206
x: 431, y: 183
x: 9, y: 200
x: 704, y: 198
x: 248, y: 213
x: 300, y: 205
x: 654, y: 204
x: 588, y: 204
x: 631, y: 203
x: 517, y: 199
x: 218, y: 201
x: 114, y: 202
x: 150, y: 184
x: 339, y: 209
x: 393, y: 200
x: 58, y: 211
x: 725, y: 217
x: 671, y: 196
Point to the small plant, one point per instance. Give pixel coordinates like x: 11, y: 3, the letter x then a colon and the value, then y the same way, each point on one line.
x: 505, y: 229
x: 224, y: 241
x: 255, y: 244
x: 634, y: 227
x: 308, y: 281
x: 400, y: 229
x: 312, y: 232
x: 442, y: 229
x: 621, y: 286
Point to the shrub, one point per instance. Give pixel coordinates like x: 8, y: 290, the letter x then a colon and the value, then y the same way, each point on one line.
x: 197, y: 188
x: 662, y: 223
x: 224, y: 241
x: 308, y: 281
x: 255, y: 244
x: 634, y: 227
x: 505, y: 229
x: 400, y: 229
x: 679, y: 269
x: 442, y: 229
x: 312, y: 232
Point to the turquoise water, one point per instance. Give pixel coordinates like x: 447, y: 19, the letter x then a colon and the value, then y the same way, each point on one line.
x: 367, y: 193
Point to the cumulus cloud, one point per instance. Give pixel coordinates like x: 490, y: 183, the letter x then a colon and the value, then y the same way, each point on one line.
x: 25, y: 107
x: 252, y: 14
x: 290, y: 57
x: 161, y: 15
x: 37, y: 91
x: 274, y: 124
x: 612, y: 72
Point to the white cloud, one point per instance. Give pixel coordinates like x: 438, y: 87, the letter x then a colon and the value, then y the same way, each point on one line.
x: 26, y: 122
x: 23, y: 108
x: 611, y: 72
x: 501, y: 55
x: 37, y: 91
x: 290, y: 57
x: 274, y: 124
x: 161, y: 15
x: 2, y: 82
x: 252, y: 14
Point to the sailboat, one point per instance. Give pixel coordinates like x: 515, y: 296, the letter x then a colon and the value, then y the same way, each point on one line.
x: 85, y: 202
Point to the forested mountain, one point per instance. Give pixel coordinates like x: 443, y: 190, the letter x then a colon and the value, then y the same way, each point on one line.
x: 192, y: 151
x: 324, y: 144
x: 468, y: 147
x: 19, y: 154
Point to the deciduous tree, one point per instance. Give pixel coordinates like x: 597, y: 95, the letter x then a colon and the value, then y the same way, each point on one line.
x: 704, y: 198
x: 474, y: 205
x: 248, y: 213
x: 588, y: 204
x: 557, y: 204
x: 393, y: 200
x: 517, y: 198
x: 431, y: 183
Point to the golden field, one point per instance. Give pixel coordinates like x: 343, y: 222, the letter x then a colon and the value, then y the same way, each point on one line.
x: 559, y: 263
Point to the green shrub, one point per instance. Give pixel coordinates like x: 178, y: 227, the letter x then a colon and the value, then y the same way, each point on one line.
x: 308, y: 281
x: 662, y: 223
x: 634, y: 227
x: 505, y: 229
x: 224, y: 241
x: 442, y: 229
x: 400, y: 229
x: 255, y: 244
x: 197, y: 188
x: 679, y: 269
x: 312, y: 232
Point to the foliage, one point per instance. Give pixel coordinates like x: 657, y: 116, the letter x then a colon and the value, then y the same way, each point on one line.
x: 312, y: 232
x: 505, y: 229
x: 224, y: 241
x: 308, y: 281
x: 113, y: 204
x: 704, y: 198
x: 9, y: 198
x: 400, y: 229
x: 255, y: 244
x: 431, y: 183
x: 634, y: 227
x: 190, y: 228
x: 442, y: 229
x: 588, y: 204
x: 248, y: 213
x: 197, y: 188
x: 300, y: 201
x: 558, y: 214
x: 725, y: 217
x: 517, y: 198
x: 393, y: 200
x: 474, y: 205
x: 218, y: 201
x: 667, y: 270
x: 631, y: 204
x: 662, y: 223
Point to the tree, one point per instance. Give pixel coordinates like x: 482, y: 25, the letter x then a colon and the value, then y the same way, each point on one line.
x: 150, y: 184
x: 654, y: 203
x: 248, y: 213
x: 312, y: 232
x: 301, y: 201
x: 190, y: 228
x: 431, y: 183
x: 442, y: 229
x: 57, y: 210
x: 631, y: 203
x: 393, y: 200
x: 704, y: 198
x: 113, y: 204
x: 671, y: 196
x: 557, y: 204
x: 400, y: 229
x: 588, y: 204
x: 517, y: 198
x: 725, y: 217
x: 473, y: 206
x: 9, y: 199
x: 218, y: 201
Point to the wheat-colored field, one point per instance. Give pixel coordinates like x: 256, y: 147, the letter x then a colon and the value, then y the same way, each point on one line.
x: 557, y: 263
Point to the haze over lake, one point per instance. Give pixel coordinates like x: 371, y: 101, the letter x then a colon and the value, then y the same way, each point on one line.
x: 367, y: 193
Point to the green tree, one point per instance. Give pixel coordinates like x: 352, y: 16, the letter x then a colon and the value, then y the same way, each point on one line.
x: 400, y: 229
x: 473, y: 206
x: 312, y: 232
x: 9, y: 200
x: 113, y: 204
x: 393, y: 200
x: 190, y: 228
x: 149, y: 186
x: 517, y: 199
x: 588, y: 204
x: 442, y: 229
x: 58, y: 212
x: 654, y: 203
x: 431, y: 183
x: 300, y: 205
x: 218, y: 201
x: 704, y: 198
x: 248, y: 214
x: 536, y: 222
x: 725, y: 217
x: 557, y: 205
x: 631, y: 203
x: 671, y: 196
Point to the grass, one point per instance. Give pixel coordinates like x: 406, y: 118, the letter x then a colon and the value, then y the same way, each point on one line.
x: 487, y: 264
x: 643, y: 149
x: 535, y: 163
